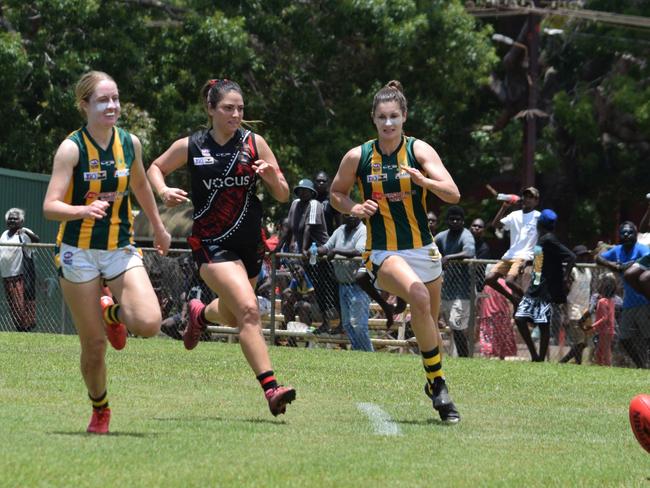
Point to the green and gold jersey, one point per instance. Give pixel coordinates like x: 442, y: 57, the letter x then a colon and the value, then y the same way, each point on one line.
x: 401, y: 221
x: 100, y: 175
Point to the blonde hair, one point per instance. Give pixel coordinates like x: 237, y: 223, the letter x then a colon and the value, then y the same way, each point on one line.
x: 86, y: 86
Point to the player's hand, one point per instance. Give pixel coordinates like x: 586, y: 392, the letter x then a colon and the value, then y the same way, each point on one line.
x: 172, y: 197
x: 266, y: 171
x: 365, y: 210
x: 162, y: 241
x: 96, y: 210
x: 416, y: 175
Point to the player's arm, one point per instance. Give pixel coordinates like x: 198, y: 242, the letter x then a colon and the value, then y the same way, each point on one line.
x: 168, y: 162
x: 142, y: 191
x: 268, y: 170
x: 54, y: 205
x: 436, y: 178
x: 342, y: 185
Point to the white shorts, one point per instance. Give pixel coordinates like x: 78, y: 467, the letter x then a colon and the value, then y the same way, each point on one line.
x: 425, y: 261
x: 455, y: 313
x: 82, y: 265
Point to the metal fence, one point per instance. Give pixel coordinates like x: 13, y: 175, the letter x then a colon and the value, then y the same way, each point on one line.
x: 310, y: 304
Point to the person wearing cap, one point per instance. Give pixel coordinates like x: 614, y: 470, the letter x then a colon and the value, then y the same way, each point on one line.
x: 627, y: 257
x: 578, y: 301
x: 307, y: 225
x: 522, y: 226
x: 552, y: 266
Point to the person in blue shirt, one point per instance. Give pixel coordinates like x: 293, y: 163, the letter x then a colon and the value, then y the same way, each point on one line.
x: 635, y: 322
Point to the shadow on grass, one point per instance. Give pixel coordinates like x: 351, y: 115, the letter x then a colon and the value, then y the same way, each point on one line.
x: 220, y: 419
x: 110, y: 434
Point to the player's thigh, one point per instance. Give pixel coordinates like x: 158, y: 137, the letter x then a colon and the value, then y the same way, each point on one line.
x: 135, y: 294
x: 229, y: 280
x: 83, y: 302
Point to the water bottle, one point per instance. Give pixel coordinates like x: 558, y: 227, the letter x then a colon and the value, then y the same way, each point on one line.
x: 313, y: 251
x: 506, y: 197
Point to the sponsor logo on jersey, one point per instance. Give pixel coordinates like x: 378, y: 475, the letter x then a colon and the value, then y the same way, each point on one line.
x: 397, y: 196
x: 93, y: 163
x: 121, y: 172
x: 108, y: 163
x: 206, y: 153
x: 205, y: 160
x: 376, y: 165
x: 379, y: 177
x: 106, y: 196
x: 227, y: 182
x: 402, y: 175
x: 94, y: 175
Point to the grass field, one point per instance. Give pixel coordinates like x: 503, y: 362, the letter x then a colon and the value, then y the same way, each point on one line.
x: 199, y: 419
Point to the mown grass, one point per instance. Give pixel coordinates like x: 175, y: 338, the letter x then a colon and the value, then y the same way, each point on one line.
x: 199, y: 419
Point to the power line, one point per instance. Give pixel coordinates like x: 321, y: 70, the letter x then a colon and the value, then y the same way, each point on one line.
x: 592, y: 15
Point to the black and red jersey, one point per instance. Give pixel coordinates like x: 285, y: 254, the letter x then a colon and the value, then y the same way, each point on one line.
x: 226, y: 208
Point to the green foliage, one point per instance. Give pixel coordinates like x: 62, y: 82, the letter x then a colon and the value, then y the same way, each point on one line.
x: 308, y: 71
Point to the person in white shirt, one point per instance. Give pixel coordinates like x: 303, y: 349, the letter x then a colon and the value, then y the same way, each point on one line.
x: 522, y: 226
x: 16, y: 267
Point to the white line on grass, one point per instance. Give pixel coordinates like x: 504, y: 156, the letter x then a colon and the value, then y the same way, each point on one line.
x: 381, y: 422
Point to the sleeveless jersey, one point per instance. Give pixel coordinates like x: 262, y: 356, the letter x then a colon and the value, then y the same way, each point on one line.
x: 401, y: 220
x: 100, y: 175
x: 226, y: 208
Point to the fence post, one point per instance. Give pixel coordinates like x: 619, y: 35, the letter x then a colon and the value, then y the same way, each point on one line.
x: 472, y: 308
x: 273, y: 285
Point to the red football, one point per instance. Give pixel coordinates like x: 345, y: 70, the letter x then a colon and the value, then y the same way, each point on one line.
x: 640, y: 419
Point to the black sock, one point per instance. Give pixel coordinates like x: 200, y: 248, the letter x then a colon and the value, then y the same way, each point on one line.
x: 267, y: 380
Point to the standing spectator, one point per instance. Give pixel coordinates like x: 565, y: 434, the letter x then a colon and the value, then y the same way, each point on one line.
x: 225, y: 163
x: 395, y: 173
x: 551, y: 270
x: 95, y: 171
x: 480, y: 244
x: 578, y: 304
x: 456, y: 244
x: 18, y: 272
x: 482, y: 251
x: 307, y: 226
x: 432, y: 221
x: 604, y: 325
x: 496, y: 337
x: 332, y: 216
x: 522, y: 225
x: 347, y: 242
x: 635, y: 322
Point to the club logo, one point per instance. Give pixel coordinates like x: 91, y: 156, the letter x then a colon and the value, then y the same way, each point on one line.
x: 94, y: 175
x: 378, y: 177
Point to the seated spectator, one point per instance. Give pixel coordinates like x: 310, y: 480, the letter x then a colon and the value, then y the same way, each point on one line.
x: 298, y: 298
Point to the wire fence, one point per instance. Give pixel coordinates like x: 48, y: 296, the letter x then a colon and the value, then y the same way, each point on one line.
x: 323, y: 304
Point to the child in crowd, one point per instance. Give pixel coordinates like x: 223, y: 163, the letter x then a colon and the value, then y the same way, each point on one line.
x: 604, y: 325
x: 497, y: 337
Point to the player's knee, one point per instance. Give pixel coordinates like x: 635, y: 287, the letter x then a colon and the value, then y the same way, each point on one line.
x: 92, y: 352
x: 418, y: 297
x: 249, y: 314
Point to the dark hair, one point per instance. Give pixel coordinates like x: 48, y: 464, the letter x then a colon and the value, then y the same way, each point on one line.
x: 391, y: 92
x: 627, y: 223
x: 214, y: 90
x: 456, y: 210
x: 607, y: 285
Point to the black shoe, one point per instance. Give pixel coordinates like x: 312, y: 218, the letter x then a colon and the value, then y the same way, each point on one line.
x: 442, y: 402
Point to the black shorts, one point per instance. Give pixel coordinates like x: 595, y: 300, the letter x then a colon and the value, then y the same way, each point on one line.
x: 207, y: 251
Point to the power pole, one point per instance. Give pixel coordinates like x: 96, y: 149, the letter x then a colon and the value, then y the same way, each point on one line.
x: 530, y: 120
